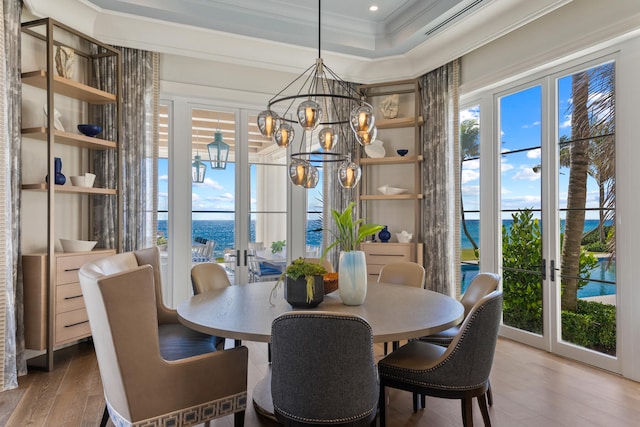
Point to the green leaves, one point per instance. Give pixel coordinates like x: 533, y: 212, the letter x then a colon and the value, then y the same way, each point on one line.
x: 350, y: 233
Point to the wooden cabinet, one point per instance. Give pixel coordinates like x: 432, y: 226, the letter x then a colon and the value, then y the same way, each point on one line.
x: 70, y: 321
x: 58, y: 77
x: 402, y: 211
x: 380, y: 254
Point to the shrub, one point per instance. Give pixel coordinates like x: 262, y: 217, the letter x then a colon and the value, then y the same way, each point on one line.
x: 593, y: 326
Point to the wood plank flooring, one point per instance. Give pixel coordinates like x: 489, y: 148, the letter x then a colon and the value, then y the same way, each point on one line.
x: 530, y: 388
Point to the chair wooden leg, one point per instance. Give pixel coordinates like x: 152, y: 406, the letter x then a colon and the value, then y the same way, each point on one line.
x: 396, y: 345
x: 415, y: 402
x: 381, y: 407
x: 489, y: 394
x: 467, y: 412
x: 386, y: 348
x: 423, y: 401
x: 105, y: 417
x: 238, y: 419
x: 482, y: 402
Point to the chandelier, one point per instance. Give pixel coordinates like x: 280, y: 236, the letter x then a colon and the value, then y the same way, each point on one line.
x: 326, y: 104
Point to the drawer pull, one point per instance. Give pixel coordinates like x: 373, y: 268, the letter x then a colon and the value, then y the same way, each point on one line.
x: 76, y: 324
x: 73, y: 297
x: 71, y: 269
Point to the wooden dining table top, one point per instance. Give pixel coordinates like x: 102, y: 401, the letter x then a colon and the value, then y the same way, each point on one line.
x: 395, y: 312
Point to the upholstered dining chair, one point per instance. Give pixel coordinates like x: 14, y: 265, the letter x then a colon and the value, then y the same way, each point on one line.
x: 481, y: 285
x: 323, y: 262
x: 176, y: 340
x: 140, y: 386
x: 208, y: 276
x: 323, y: 369
x: 402, y: 273
x: 459, y: 371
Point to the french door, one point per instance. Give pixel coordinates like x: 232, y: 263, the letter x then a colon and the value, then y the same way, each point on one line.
x: 557, y: 204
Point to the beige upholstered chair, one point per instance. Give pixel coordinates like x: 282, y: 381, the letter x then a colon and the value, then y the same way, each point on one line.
x: 460, y: 371
x: 323, y: 370
x: 402, y: 273
x: 322, y: 261
x: 140, y: 386
x: 208, y: 276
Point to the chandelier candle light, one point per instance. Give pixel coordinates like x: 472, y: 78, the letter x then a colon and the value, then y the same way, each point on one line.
x: 317, y: 88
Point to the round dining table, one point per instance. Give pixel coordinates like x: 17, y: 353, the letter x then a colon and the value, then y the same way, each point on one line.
x: 245, y: 312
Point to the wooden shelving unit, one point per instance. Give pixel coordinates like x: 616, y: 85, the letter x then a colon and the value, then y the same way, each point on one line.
x: 53, y: 298
x: 404, y: 131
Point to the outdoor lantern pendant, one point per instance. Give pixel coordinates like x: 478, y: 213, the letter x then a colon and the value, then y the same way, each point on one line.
x: 349, y: 174
x: 268, y: 123
x: 362, y: 118
x: 284, y: 135
x: 198, y: 170
x: 328, y: 139
x: 312, y: 177
x: 367, y: 137
x: 298, y: 171
x: 309, y: 114
x: 218, y: 152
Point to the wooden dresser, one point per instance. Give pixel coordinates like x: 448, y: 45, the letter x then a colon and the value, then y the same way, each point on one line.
x: 70, y: 316
x: 379, y: 254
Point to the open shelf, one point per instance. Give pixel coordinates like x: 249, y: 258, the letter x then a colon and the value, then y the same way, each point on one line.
x: 402, y: 122
x: 391, y: 197
x: 43, y: 186
x: 69, y: 88
x: 68, y: 138
x: 391, y: 160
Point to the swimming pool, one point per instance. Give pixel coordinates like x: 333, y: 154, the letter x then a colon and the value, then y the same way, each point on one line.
x: 591, y: 289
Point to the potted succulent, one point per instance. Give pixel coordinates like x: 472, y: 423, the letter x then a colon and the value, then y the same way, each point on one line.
x: 303, y: 283
x: 278, y: 246
x: 352, y: 278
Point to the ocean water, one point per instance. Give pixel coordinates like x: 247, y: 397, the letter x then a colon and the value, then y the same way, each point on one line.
x: 223, y: 232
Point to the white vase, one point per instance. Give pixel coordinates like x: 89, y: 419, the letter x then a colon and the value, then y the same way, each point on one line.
x: 352, y: 277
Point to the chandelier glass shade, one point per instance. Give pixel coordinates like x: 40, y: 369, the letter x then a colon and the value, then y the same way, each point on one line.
x: 328, y: 106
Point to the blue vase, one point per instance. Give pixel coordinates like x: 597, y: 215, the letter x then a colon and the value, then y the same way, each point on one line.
x: 59, y: 178
x: 384, y: 235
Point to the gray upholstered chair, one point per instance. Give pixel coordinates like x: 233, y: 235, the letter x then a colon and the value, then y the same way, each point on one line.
x: 481, y: 285
x: 459, y: 371
x: 140, y: 386
x: 323, y: 369
x: 208, y: 276
x: 402, y: 273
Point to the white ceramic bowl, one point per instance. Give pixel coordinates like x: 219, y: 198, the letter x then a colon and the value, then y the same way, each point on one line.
x: 69, y: 245
x: 375, y: 150
x: 391, y: 191
x: 85, y: 180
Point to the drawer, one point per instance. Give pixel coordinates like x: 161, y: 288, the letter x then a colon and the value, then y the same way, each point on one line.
x: 71, y: 326
x: 67, y: 266
x: 69, y: 298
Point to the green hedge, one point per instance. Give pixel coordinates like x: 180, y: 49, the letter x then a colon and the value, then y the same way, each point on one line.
x: 592, y: 326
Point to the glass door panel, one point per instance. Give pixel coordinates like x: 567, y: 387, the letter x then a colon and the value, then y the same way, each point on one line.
x: 522, y: 260
x: 586, y: 207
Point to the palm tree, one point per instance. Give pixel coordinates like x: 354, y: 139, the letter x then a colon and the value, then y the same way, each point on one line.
x: 469, y: 148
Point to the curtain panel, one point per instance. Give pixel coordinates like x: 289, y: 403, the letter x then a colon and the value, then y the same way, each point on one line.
x: 138, y: 152
x: 11, y: 313
x: 441, y: 178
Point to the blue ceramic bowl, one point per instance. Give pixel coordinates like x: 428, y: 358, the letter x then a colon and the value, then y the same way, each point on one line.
x: 402, y: 152
x: 89, y: 130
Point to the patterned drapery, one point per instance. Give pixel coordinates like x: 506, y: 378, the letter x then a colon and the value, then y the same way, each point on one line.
x: 138, y: 152
x: 11, y: 327
x: 441, y: 178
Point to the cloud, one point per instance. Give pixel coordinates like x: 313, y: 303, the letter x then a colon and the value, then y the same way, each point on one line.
x: 469, y: 175
x: 208, y: 182
x: 163, y: 177
x: 526, y: 173
x: 532, y: 125
x: 533, y: 154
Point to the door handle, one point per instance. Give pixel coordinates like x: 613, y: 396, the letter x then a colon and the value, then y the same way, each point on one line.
x: 552, y: 271
x: 238, y: 258
x: 544, y: 269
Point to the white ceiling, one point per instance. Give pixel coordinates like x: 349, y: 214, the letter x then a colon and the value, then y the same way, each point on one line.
x: 403, y: 39
x: 347, y: 26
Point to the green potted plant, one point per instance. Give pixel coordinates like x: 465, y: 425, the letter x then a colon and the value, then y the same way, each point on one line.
x: 161, y: 242
x: 278, y: 246
x: 352, y: 270
x: 303, y: 283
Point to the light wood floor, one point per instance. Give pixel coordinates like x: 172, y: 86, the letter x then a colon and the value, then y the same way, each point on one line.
x: 530, y: 388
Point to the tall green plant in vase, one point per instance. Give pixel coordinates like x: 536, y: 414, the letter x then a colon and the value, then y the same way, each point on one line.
x: 352, y: 269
